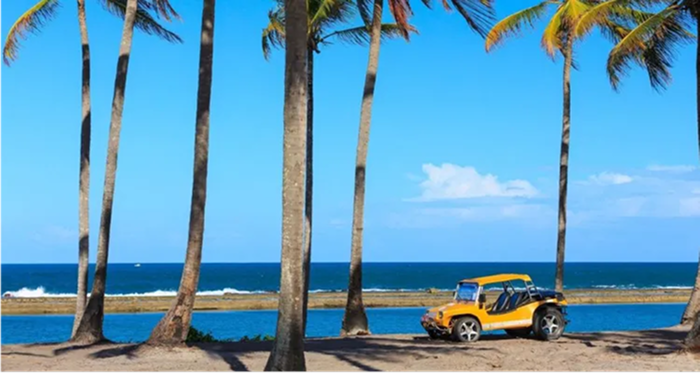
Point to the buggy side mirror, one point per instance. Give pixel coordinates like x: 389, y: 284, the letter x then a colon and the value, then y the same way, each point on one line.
x: 482, y: 300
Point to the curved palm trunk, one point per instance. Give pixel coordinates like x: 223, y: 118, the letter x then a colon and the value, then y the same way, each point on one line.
x: 692, y: 341
x: 564, y: 166
x: 693, y: 306
x: 288, y: 348
x: 90, y: 328
x: 174, y: 326
x: 355, y: 319
x: 84, y: 183
x: 308, y: 203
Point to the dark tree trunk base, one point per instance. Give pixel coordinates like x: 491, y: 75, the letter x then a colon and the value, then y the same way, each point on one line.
x: 355, y: 323
x: 171, y: 330
x: 90, y: 329
x: 692, y: 341
x: 286, y: 362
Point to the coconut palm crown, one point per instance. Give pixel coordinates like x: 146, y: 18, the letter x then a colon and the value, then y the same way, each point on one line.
x: 44, y: 10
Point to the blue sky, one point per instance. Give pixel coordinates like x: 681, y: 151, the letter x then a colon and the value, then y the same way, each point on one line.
x: 463, y: 154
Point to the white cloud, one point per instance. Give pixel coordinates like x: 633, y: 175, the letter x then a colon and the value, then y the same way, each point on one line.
x: 532, y: 214
x: 675, y: 168
x: 610, y: 178
x: 449, y: 182
x: 689, y: 206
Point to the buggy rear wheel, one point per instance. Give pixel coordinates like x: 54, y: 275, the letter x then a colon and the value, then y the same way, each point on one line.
x: 549, y: 324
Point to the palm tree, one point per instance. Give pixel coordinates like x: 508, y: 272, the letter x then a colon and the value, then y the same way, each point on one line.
x: 31, y: 21
x: 693, y: 306
x: 288, y: 348
x: 323, y: 15
x: 692, y: 341
x: 651, y: 44
x: 89, y: 329
x: 563, y: 29
x: 174, y: 326
x: 478, y: 15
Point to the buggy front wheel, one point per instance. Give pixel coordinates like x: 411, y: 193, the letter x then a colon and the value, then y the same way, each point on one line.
x: 466, y: 329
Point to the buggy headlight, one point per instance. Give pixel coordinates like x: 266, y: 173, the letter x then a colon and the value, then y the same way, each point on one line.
x: 440, y: 315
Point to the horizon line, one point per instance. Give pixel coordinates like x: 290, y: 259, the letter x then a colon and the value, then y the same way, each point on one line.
x: 387, y: 262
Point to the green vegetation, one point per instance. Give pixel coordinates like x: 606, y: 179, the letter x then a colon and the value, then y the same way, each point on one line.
x: 197, y: 336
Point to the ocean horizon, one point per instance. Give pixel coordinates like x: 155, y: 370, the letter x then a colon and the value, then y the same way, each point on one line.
x: 162, y: 279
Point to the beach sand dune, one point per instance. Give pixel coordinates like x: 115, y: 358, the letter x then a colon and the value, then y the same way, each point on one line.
x: 650, y: 350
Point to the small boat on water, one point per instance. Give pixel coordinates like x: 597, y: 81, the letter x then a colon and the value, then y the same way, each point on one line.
x: 137, y: 265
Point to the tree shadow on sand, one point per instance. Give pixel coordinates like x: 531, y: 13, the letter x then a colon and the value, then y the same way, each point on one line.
x: 646, y: 342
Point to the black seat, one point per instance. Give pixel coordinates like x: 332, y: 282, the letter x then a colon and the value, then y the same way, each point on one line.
x: 515, y: 300
x: 501, y: 303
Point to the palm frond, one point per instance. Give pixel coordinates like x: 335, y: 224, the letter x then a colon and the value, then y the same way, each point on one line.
x: 361, y: 35
x: 162, y: 8
x: 327, y: 10
x: 30, y: 22
x: 274, y: 34
x: 514, y: 23
x: 342, y: 12
x: 144, y: 21
x: 552, y: 36
x: 597, y: 15
x: 365, y: 9
x: 401, y: 10
x: 479, y: 14
x: 651, y: 45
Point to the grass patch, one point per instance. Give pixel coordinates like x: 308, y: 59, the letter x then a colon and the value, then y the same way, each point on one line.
x: 197, y: 336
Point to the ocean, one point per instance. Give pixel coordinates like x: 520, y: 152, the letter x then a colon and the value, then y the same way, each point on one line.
x: 147, y: 279
x: 46, y: 280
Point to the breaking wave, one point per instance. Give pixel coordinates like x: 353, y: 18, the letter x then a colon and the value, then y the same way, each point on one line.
x: 40, y: 292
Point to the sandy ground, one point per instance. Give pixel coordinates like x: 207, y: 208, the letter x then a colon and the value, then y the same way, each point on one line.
x: 651, y: 350
x: 19, y: 306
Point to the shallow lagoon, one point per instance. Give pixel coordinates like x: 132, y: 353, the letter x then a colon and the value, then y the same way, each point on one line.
x: 322, y: 322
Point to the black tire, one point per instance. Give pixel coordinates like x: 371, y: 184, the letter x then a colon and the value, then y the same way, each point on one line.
x: 519, y: 333
x: 466, y: 329
x: 433, y: 334
x: 548, y: 324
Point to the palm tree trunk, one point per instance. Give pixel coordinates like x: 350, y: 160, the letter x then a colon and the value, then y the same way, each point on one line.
x: 174, y: 326
x: 84, y: 182
x: 90, y: 328
x: 309, y: 188
x: 693, y: 306
x: 692, y: 341
x: 564, y: 165
x: 288, y: 348
x: 355, y: 319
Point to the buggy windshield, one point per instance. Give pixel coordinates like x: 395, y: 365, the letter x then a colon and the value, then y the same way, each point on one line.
x: 466, y: 291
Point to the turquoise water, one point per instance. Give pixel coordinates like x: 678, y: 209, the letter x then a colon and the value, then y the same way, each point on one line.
x: 236, y: 324
x: 34, y: 280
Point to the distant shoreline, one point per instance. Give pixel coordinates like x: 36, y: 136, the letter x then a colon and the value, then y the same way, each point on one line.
x: 326, y: 300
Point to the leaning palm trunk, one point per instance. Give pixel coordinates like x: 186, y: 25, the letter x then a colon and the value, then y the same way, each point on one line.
x: 174, y: 326
x: 355, y: 319
x: 288, y: 348
x: 84, y: 183
x: 564, y: 165
x: 309, y: 188
x: 693, y: 306
x: 90, y: 328
x: 692, y: 341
